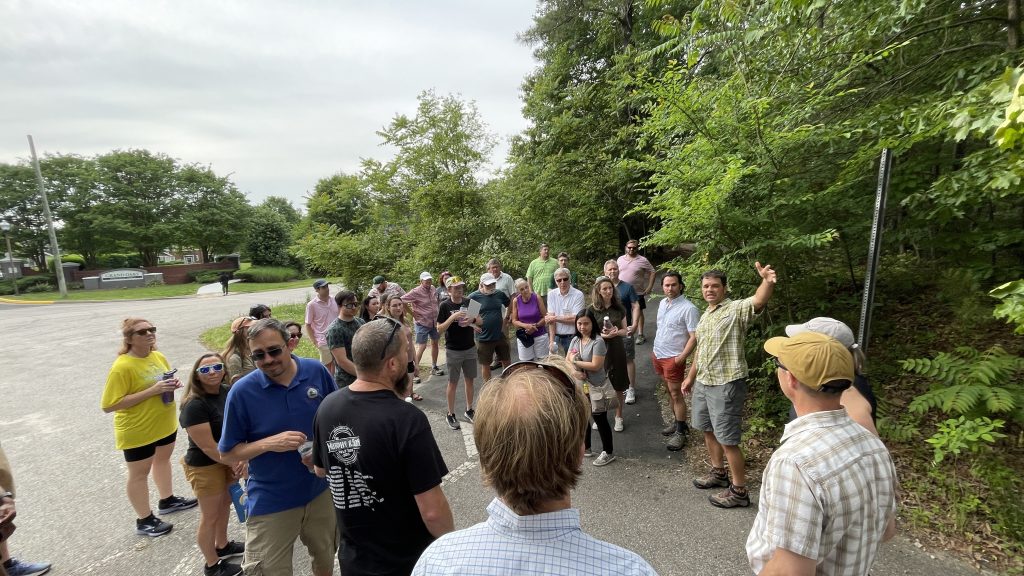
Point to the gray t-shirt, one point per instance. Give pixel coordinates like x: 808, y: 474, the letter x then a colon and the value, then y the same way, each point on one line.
x: 597, y: 347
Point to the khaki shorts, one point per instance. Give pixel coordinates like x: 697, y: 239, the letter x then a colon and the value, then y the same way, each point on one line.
x: 208, y: 480
x: 719, y: 409
x: 270, y: 538
x: 325, y: 354
x: 486, y: 350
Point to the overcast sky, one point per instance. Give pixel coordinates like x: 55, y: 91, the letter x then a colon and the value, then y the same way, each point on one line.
x: 277, y: 93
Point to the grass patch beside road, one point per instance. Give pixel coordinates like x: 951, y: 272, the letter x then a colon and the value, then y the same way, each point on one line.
x: 215, y: 338
x: 157, y: 291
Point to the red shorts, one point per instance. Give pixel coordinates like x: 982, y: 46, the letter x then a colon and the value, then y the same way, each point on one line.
x: 667, y: 369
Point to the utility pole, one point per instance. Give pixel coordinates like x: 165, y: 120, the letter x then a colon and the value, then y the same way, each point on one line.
x: 57, y: 267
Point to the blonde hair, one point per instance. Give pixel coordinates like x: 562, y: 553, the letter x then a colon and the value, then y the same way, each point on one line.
x: 238, y: 343
x: 127, y: 330
x: 385, y: 305
x: 529, y: 434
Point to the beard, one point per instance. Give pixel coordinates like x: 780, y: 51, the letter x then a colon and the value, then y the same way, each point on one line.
x: 402, y: 384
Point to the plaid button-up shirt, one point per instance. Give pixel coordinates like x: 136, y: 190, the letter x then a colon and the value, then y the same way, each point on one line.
x: 827, y: 493
x: 720, y: 337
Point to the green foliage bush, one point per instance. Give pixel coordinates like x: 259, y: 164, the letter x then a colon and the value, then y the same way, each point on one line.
x: 268, y: 238
x: 26, y: 283
x: 40, y: 288
x: 64, y: 259
x: 264, y: 274
x: 119, y: 260
x: 204, y: 276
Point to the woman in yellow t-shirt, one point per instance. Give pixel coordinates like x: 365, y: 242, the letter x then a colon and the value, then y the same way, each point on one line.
x: 145, y: 424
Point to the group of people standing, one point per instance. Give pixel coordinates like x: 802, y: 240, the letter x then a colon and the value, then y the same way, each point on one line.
x: 336, y: 458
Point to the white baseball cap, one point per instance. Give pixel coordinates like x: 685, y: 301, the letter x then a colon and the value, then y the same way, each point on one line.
x: 425, y: 276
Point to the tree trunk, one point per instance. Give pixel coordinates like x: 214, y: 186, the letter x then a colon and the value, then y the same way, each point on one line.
x: 1012, y: 25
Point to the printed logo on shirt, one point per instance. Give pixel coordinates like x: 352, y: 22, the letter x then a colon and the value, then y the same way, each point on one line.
x: 349, y: 488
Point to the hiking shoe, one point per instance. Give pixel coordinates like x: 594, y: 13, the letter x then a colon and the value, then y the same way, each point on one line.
x: 640, y: 339
x: 437, y: 371
x: 470, y: 414
x: 152, y: 526
x: 676, y: 442
x: 496, y: 365
x: 630, y: 396
x: 618, y: 424
x: 231, y: 549
x: 713, y: 479
x: 603, y: 459
x: 416, y: 380
x: 222, y: 568
x: 730, y: 498
x: 175, y: 504
x: 453, y: 422
x: 587, y: 453
x: 669, y: 430
x: 19, y: 568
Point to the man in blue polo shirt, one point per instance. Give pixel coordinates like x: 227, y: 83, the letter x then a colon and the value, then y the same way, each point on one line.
x: 267, y: 419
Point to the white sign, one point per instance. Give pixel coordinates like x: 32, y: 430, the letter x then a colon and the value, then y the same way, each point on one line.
x: 122, y: 275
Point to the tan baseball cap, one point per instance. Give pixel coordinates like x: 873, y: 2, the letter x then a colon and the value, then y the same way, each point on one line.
x: 814, y: 359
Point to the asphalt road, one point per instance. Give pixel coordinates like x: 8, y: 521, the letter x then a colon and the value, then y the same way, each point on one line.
x: 72, y: 510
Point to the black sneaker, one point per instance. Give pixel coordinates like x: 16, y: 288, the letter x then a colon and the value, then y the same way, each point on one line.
x: 222, y: 568
x: 470, y: 414
x: 175, y: 504
x: 152, y: 526
x: 231, y: 549
x: 453, y: 422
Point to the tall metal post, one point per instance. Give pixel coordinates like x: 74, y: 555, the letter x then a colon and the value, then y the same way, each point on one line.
x: 57, y: 267
x: 874, y: 248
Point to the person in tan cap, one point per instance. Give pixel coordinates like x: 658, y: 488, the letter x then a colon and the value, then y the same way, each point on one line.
x: 828, y: 494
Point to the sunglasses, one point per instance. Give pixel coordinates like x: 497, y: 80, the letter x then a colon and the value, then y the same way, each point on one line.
x: 395, y: 325
x: 561, y: 279
x: 778, y: 364
x: 568, y: 385
x: 144, y: 331
x: 218, y: 367
x: 261, y: 355
x: 295, y: 336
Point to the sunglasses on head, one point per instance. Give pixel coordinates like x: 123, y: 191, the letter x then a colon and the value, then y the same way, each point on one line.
x: 261, y: 355
x: 567, y: 384
x: 218, y: 367
x: 395, y: 325
x: 144, y: 331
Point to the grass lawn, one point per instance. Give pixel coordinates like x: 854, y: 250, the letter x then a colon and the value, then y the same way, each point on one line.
x: 216, y: 338
x: 159, y: 291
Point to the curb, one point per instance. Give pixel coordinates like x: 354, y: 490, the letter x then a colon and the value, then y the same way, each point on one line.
x: 25, y: 302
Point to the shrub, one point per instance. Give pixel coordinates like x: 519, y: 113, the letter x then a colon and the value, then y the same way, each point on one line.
x: 263, y: 274
x: 39, y: 288
x: 119, y: 261
x: 204, y: 276
x: 64, y: 259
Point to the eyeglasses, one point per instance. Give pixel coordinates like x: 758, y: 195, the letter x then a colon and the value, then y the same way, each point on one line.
x: 218, y: 367
x: 295, y: 336
x: 261, y: 355
x: 630, y: 247
x: 562, y: 377
x: 395, y: 325
x: 144, y: 331
x: 350, y: 305
x: 779, y: 364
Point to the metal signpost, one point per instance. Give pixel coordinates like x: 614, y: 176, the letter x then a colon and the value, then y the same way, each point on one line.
x: 57, y: 267
x: 874, y: 248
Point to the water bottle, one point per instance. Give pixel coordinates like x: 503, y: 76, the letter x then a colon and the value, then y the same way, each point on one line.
x: 608, y: 326
x: 168, y: 397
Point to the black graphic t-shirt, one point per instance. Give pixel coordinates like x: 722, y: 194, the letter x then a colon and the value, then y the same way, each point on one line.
x: 455, y: 337
x: 379, y: 453
x: 200, y: 409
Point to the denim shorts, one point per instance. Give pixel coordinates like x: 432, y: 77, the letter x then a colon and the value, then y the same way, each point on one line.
x: 424, y: 332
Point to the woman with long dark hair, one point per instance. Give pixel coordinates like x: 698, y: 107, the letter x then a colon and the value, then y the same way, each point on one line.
x: 140, y: 392
x: 606, y: 304
x: 369, y: 308
x: 202, y: 417
x: 587, y: 357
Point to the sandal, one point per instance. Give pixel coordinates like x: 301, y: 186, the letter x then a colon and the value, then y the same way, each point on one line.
x: 417, y: 397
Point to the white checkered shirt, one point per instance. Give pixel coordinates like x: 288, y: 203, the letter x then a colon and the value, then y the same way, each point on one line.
x: 827, y: 493
x: 508, y: 543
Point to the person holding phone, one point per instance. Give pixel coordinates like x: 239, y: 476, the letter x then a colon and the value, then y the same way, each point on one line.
x: 145, y: 426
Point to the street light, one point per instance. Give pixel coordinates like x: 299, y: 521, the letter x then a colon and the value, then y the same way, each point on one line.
x: 5, y: 226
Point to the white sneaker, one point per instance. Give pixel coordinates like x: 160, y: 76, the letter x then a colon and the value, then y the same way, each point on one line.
x: 593, y: 426
x: 618, y: 424
x: 630, y: 396
x: 604, y: 458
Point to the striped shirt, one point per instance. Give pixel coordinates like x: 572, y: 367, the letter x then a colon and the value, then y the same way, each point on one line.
x: 827, y: 493
x: 721, y: 333
x: 508, y: 543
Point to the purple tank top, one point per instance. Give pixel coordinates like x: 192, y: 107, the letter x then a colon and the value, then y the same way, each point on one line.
x: 530, y: 312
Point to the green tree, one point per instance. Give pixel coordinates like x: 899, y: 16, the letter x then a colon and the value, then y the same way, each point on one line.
x: 268, y: 238
x: 87, y: 228
x: 20, y: 205
x: 284, y: 207
x: 338, y: 201
x: 214, y: 214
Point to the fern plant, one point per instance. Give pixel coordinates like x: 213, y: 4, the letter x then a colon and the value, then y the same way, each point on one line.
x: 971, y: 383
